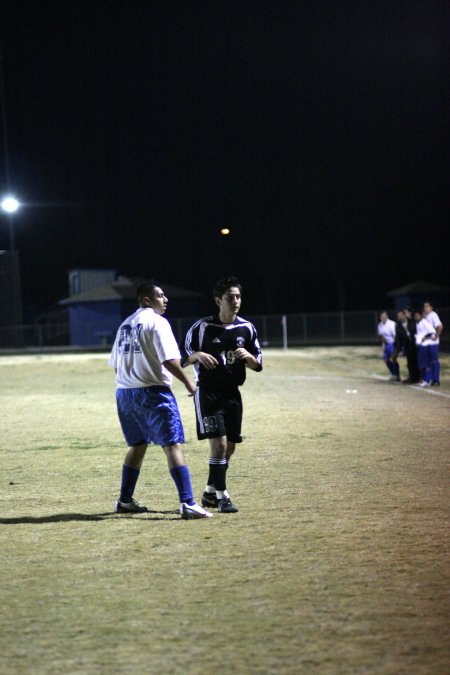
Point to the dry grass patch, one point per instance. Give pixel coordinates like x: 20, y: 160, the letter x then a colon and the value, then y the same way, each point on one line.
x: 337, y: 561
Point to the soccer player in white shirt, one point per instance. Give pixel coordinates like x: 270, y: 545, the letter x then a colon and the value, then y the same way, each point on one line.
x: 145, y: 356
x: 425, y: 340
x: 431, y: 316
x: 386, y: 330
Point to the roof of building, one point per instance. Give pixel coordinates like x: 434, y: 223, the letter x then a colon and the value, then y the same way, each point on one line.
x: 125, y: 289
x: 419, y: 286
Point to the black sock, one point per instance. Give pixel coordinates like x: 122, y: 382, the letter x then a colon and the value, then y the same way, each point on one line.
x: 217, y: 473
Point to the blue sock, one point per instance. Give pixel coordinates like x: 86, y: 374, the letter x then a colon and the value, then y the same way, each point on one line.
x: 435, y: 371
x: 182, y: 480
x: 129, y: 480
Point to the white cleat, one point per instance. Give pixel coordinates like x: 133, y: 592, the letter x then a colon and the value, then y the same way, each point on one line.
x: 192, y: 511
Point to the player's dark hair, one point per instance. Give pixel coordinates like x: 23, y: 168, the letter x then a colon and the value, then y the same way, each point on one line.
x: 221, y: 286
x: 429, y: 302
x: 145, y: 290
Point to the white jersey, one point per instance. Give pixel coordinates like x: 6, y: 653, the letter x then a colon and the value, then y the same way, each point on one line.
x: 143, y: 342
x: 387, y: 331
x: 424, y: 329
x: 435, y: 321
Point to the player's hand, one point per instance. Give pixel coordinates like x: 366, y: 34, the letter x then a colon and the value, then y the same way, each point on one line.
x: 241, y: 354
x: 207, y: 360
x: 191, y: 387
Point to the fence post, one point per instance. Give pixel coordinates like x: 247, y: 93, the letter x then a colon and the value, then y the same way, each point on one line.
x: 305, y: 328
x: 265, y: 341
x: 284, y: 324
x: 342, y: 320
x: 375, y: 316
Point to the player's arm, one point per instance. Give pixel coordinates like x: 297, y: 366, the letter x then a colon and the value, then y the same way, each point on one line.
x: 175, y: 369
x: 438, y: 330
x: 252, y: 356
x: 207, y: 360
x: 191, y: 350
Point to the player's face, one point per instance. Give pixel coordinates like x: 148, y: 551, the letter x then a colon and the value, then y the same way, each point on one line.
x: 230, y: 302
x: 383, y: 317
x: 158, y: 301
x: 427, y: 308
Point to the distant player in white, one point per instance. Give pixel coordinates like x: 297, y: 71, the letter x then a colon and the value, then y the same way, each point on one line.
x: 425, y: 340
x: 387, y: 332
x: 145, y: 356
x: 431, y: 316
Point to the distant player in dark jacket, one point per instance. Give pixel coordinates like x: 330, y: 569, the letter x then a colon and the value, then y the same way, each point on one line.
x: 405, y: 343
x: 221, y: 347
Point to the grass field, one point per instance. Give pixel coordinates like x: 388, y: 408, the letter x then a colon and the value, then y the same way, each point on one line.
x: 337, y: 562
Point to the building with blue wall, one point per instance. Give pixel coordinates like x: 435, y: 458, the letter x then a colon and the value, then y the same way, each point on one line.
x: 96, y: 313
x: 418, y: 292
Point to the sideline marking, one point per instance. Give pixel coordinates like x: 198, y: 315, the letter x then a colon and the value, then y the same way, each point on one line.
x: 427, y: 390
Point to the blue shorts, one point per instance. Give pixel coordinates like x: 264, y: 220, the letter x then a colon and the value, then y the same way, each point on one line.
x: 149, y: 415
x: 434, y: 350
x: 389, y: 349
x: 425, y: 356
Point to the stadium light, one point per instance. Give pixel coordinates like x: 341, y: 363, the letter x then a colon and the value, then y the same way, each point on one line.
x: 10, y: 204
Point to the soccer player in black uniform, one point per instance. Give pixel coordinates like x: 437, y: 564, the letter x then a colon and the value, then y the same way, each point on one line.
x: 221, y: 347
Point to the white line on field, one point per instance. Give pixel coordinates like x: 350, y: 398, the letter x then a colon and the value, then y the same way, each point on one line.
x: 374, y: 376
x: 430, y: 391
x: 413, y: 386
x: 425, y: 389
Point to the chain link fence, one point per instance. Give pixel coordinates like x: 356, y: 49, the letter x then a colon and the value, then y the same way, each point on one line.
x: 293, y: 330
x: 274, y: 330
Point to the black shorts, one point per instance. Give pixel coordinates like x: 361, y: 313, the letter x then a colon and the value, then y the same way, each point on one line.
x: 219, y: 414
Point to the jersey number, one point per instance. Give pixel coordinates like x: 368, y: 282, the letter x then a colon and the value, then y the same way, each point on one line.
x: 210, y: 424
x: 129, y: 336
x: 228, y: 357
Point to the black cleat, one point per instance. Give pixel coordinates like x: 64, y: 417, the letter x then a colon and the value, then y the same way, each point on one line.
x: 129, y: 507
x: 209, y: 499
x: 225, y: 505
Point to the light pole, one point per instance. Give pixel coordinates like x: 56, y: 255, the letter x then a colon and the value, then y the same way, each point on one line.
x: 12, y: 316
x: 10, y: 205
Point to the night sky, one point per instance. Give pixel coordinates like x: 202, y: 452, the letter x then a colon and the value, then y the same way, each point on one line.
x: 317, y: 131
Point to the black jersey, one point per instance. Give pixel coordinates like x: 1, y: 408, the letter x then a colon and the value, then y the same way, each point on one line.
x: 220, y: 340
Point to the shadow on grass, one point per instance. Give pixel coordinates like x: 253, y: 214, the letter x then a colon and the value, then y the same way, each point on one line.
x: 68, y: 517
